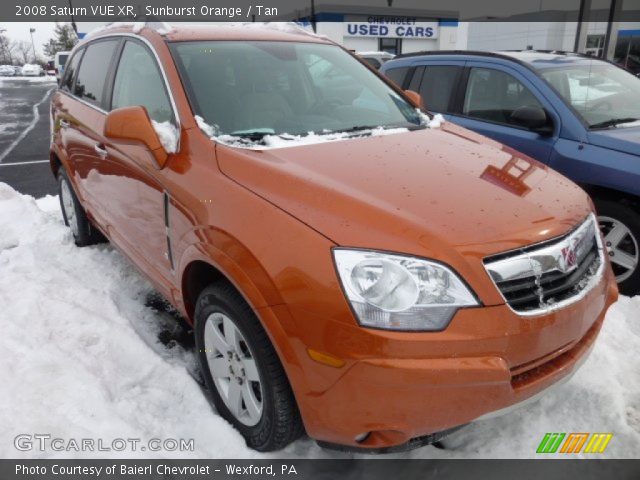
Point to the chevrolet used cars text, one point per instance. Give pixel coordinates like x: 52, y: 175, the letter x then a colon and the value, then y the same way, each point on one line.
x: 352, y: 268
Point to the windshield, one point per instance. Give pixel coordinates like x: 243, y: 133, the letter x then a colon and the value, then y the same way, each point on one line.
x: 603, y: 95
x: 257, y: 88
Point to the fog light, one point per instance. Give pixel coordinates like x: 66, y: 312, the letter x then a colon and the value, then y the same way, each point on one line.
x: 362, y: 437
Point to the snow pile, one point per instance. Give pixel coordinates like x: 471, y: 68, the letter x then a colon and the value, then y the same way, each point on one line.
x: 435, y: 122
x: 80, y: 355
x: 208, y: 130
x: 284, y: 27
x: 43, y: 79
x: 168, y: 135
x: 81, y: 359
x: 164, y: 28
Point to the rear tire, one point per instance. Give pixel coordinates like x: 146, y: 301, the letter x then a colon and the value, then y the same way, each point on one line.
x: 236, y: 355
x: 620, y: 225
x: 74, y: 215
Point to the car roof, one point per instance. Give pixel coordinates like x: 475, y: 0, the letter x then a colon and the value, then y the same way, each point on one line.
x: 533, y: 59
x: 221, y: 31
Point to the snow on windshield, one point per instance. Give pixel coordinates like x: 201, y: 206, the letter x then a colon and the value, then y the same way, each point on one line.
x: 287, y: 140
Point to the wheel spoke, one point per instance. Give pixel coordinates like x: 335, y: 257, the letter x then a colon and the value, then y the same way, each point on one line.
x: 234, y: 401
x: 251, y: 370
x: 623, y: 259
x: 254, y: 409
x: 231, y: 334
x: 213, y: 338
x: 219, y: 367
x: 616, y: 234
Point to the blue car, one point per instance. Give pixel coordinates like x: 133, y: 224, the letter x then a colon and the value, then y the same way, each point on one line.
x: 577, y: 114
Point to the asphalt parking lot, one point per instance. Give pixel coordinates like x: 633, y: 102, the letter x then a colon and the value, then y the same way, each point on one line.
x: 24, y: 135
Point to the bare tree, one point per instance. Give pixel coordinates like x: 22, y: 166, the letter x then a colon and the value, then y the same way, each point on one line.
x: 6, y: 50
x: 24, y: 51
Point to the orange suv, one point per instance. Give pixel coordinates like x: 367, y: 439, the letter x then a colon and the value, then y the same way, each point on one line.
x: 351, y: 268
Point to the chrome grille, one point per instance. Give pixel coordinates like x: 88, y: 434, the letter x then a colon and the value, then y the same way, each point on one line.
x: 552, y: 274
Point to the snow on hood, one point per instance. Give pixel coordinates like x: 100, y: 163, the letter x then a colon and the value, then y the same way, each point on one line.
x: 92, y: 346
x: 287, y: 140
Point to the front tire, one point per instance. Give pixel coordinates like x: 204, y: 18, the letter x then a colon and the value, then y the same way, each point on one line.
x: 620, y: 226
x: 242, y: 371
x: 74, y: 215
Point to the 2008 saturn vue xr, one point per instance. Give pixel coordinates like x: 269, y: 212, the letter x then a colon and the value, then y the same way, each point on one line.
x: 351, y: 268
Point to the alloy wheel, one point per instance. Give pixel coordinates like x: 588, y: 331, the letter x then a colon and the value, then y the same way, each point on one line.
x: 621, y: 246
x: 233, y: 369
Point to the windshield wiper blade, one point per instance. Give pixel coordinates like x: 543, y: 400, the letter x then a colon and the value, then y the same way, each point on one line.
x: 254, y: 135
x: 359, y: 128
x: 613, y: 122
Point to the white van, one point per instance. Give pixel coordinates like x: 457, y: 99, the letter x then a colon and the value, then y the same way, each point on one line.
x: 59, y: 62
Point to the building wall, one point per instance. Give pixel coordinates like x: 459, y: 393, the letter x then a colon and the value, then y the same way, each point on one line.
x: 449, y: 36
x: 487, y: 36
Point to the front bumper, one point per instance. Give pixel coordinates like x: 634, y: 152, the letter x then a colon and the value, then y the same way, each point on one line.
x: 413, y: 385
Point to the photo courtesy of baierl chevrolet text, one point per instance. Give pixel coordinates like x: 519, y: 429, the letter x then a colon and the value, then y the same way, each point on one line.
x: 319, y: 239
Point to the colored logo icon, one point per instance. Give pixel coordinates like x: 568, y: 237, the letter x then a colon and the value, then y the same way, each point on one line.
x: 574, y: 442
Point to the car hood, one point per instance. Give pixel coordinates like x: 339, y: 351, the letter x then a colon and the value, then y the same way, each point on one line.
x: 436, y: 193
x: 623, y: 139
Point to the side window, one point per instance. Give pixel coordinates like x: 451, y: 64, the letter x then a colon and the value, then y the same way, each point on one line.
x: 493, y: 95
x: 397, y: 75
x: 139, y: 82
x: 92, y: 75
x: 67, y: 81
x: 438, y: 84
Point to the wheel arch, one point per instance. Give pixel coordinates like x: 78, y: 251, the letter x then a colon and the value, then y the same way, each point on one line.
x: 200, y: 272
x: 611, y: 194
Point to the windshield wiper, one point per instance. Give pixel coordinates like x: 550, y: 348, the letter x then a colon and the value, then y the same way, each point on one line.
x: 612, y: 122
x: 359, y: 128
x: 253, y: 135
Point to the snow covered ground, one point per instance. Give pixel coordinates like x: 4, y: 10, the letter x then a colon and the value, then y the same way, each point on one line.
x: 80, y: 358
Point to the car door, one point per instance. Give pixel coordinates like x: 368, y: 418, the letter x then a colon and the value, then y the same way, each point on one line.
x: 136, y: 195
x: 81, y: 116
x: 490, y: 94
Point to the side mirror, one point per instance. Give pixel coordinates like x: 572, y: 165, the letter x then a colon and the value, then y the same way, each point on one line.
x: 533, y: 118
x: 133, y: 123
x: 415, y: 98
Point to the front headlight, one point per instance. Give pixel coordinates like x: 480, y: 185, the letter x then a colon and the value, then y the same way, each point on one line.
x: 397, y: 292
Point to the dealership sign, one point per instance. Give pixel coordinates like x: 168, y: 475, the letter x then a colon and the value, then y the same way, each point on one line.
x: 397, y: 27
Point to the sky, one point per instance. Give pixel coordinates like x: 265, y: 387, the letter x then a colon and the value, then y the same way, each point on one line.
x: 20, y: 31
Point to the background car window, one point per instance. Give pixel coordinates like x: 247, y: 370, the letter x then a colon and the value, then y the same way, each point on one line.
x: 397, y: 75
x: 139, y: 82
x: 438, y: 83
x: 598, y: 92
x: 92, y: 75
x: 70, y: 71
x: 493, y: 95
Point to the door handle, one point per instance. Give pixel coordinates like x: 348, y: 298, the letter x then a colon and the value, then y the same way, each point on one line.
x: 64, y: 124
x: 100, y: 150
